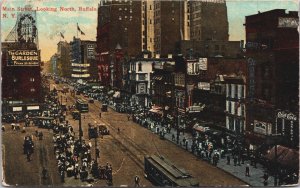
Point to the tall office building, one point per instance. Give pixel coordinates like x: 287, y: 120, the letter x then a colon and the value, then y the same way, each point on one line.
x: 208, y: 20
x: 119, y: 24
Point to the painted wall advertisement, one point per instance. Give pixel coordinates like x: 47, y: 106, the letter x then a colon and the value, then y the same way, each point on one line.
x: 23, y: 58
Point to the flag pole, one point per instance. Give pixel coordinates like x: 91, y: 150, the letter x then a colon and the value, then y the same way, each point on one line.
x: 77, y: 30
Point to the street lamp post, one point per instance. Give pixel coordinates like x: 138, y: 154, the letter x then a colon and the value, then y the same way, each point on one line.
x: 96, y: 144
x: 274, y: 138
x: 80, y: 129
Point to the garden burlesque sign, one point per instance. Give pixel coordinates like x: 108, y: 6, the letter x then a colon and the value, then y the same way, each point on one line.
x: 23, y: 58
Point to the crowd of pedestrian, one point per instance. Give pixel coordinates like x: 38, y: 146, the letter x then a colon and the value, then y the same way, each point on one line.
x: 73, y: 154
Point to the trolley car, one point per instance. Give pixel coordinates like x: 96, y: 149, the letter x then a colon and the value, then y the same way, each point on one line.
x: 162, y: 172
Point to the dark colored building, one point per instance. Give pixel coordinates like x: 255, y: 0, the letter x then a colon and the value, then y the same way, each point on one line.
x: 119, y: 23
x: 211, y: 48
x: 273, y: 76
x: 206, y: 87
x: 168, y: 25
x: 163, y: 85
x: 21, y: 79
x: 63, y: 59
x: 208, y: 21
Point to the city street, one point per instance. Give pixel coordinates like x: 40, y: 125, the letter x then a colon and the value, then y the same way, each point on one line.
x: 125, y: 151
x: 150, y: 93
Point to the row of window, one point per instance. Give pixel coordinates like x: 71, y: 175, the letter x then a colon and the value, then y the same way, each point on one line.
x: 32, y: 90
x: 31, y: 79
x: 235, y: 108
x: 235, y: 91
x: 125, y: 17
x: 234, y: 124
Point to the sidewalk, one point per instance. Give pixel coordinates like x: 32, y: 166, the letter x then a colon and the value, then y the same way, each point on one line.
x: 256, y: 174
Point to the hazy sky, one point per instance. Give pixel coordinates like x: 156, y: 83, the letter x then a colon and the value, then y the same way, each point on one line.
x: 51, y: 23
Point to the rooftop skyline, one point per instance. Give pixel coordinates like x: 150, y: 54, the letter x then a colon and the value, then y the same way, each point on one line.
x: 50, y: 22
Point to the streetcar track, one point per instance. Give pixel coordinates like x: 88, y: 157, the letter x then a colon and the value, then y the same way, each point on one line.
x: 124, y: 142
x: 139, y: 162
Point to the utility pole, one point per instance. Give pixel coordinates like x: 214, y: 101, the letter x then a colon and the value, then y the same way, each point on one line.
x: 80, y: 130
x: 96, y: 157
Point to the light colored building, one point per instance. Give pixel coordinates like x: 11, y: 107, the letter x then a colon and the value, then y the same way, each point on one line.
x: 235, y: 104
x: 53, y: 62
x: 140, y: 73
x: 148, y: 27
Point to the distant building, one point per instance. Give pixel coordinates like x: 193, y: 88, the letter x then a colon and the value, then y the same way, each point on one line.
x: 54, y: 66
x: 82, y: 54
x: 272, y: 44
x: 63, y: 59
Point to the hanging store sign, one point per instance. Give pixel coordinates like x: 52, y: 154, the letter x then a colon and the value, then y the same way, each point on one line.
x: 17, y: 109
x: 33, y: 107
x: 262, y: 127
x: 142, y: 88
x: 202, y: 63
x: 23, y: 58
x: 287, y: 116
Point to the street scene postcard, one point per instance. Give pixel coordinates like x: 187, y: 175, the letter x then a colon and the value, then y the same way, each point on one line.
x: 144, y: 93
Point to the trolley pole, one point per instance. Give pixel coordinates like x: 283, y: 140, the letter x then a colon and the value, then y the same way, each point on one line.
x: 96, y: 157
x: 80, y: 130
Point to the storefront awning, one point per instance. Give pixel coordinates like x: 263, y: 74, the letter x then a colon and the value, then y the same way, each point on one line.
x: 199, y: 128
x: 214, y: 132
x: 157, y: 77
x: 155, y: 111
x: 110, y: 92
x: 195, y: 109
x: 285, y: 156
x: 117, y: 94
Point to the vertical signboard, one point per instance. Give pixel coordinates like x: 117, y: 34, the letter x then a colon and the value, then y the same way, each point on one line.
x: 251, y: 70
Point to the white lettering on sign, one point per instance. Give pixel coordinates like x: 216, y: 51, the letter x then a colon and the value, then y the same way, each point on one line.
x: 287, y: 116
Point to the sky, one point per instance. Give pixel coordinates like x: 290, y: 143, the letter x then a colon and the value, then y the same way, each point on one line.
x: 51, y: 23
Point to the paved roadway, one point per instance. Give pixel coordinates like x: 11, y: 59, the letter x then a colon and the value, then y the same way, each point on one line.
x: 17, y: 171
x: 124, y: 150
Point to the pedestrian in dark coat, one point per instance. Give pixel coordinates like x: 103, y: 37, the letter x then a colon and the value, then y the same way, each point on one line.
x: 234, y: 160
x: 137, y: 181
x: 265, y: 177
x: 228, y: 159
x: 97, y: 153
x: 248, y: 170
x: 62, y: 176
x: 44, y: 173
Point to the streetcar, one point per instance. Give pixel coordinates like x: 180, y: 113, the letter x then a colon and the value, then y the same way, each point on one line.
x: 161, y: 172
x: 82, y: 105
